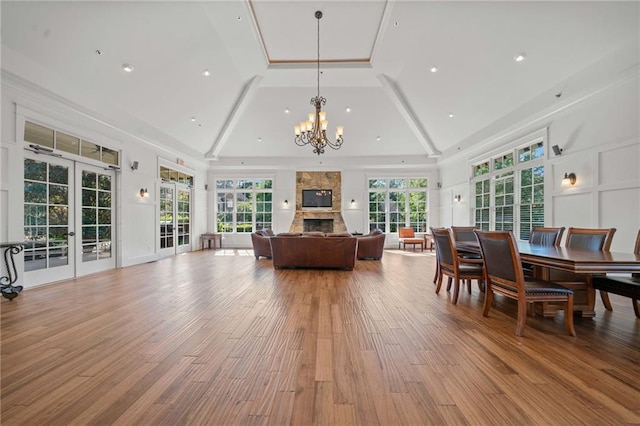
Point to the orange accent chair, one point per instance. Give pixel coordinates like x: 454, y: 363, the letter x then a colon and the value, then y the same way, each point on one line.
x: 408, y: 236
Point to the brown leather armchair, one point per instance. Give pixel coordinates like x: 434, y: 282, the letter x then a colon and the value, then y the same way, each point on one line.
x: 261, y: 244
x: 371, y: 246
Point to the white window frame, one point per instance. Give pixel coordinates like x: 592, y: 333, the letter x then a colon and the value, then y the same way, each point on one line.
x: 493, y: 174
x: 387, y: 203
x: 235, y: 190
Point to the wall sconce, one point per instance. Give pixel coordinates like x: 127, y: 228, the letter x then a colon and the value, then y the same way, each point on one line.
x: 353, y: 202
x: 569, y: 179
x: 457, y: 198
x: 134, y: 165
x: 144, y: 193
x: 286, y: 203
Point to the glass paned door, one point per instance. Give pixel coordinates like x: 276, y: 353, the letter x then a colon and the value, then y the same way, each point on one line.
x: 184, y: 219
x: 175, y: 219
x: 95, y: 219
x: 48, y: 219
x: 167, y: 229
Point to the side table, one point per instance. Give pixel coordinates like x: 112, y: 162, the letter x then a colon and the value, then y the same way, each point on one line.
x: 208, y: 237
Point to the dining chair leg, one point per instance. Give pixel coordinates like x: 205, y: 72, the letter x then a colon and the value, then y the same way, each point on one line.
x: 522, y: 317
x: 605, y: 300
x: 488, y: 301
x: 439, y: 283
x: 449, y: 284
x: 636, y: 307
x: 456, y: 290
x: 469, y: 286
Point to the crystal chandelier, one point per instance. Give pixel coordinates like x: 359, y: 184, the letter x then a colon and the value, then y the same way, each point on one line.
x: 314, y: 130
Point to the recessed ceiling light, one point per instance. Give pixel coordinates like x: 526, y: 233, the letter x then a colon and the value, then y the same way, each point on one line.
x: 239, y: 18
x: 348, y: 109
x: 259, y: 139
x: 396, y: 24
x: 450, y: 115
x: 98, y: 52
x: 206, y: 73
x: 127, y: 67
x: 193, y: 119
x: 378, y: 138
x: 433, y: 69
x: 286, y: 110
x: 520, y: 57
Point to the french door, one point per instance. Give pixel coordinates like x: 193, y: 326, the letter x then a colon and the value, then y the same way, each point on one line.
x: 68, y: 219
x: 175, y: 219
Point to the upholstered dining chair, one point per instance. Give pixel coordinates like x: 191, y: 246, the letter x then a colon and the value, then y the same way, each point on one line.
x: 452, y: 265
x: 546, y: 236
x: 463, y: 233
x: 433, y: 239
x: 628, y: 286
x: 504, y: 275
x: 590, y: 238
x: 543, y: 237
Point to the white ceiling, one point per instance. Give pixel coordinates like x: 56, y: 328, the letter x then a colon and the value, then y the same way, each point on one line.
x: 262, y: 55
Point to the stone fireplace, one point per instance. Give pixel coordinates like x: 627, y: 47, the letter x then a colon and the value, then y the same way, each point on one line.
x: 319, y: 180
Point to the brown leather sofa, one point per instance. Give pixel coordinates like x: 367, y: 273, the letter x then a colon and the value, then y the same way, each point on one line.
x: 337, y: 251
x: 261, y: 244
x: 371, y: 246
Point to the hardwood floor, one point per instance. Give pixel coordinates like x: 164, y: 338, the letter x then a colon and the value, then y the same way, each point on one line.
x: 218, y: 338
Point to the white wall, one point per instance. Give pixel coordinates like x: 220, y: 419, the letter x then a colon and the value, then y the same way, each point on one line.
x: 600, y: 137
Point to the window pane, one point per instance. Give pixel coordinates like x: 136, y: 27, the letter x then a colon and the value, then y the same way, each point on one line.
x: 377, y: 183
x: 37, y: 134
x: 67, y: 143
x: 35, y: 170
x: 90, y: 150
x: 110, y: 156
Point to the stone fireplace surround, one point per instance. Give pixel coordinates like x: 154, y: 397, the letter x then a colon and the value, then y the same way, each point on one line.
x: 319, y: 180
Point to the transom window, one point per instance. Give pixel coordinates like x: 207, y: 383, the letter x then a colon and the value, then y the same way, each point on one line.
x: 244, y: 205
x: 49, y: 138
x: 509, y: 190
x: 170, y: 175
x: 398, y: 202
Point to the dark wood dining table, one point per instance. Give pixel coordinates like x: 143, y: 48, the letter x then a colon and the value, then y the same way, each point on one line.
x: 571, y: 267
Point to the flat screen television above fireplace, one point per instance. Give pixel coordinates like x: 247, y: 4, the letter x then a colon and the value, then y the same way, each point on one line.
x: 316, y: 198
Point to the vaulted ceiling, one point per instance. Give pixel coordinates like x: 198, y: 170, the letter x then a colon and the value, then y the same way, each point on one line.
x: 376, y: 60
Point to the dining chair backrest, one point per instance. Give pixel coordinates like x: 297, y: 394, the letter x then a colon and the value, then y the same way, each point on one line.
x: 501, y: 259
x: 406, y: 233
x: 590, y: 238
x: 546, y: 236
x: 445, y: 251
x: 463, y: 233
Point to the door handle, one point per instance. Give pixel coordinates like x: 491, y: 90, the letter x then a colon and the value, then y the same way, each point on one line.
x: 71, y: 234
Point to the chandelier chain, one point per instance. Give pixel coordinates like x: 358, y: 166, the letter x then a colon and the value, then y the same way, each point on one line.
x: 318, y: 74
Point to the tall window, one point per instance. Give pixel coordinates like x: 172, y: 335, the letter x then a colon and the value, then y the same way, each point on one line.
x: 509, y: 190
x: 398, y: 202
x: 244, y: 205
